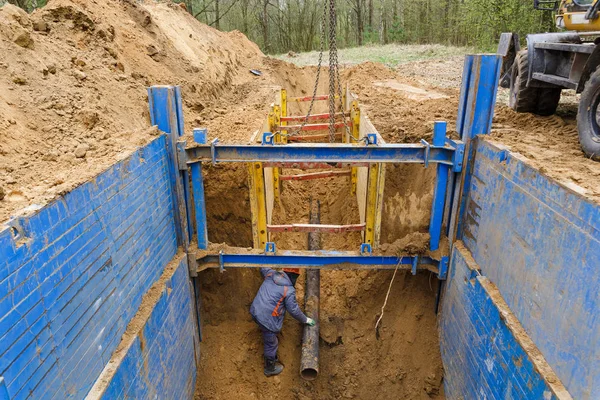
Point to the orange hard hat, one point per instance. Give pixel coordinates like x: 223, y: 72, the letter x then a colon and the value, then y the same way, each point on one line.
x: 292, y: 270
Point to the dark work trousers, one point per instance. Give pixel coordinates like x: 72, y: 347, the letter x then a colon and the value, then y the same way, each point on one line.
x: 270, y: 342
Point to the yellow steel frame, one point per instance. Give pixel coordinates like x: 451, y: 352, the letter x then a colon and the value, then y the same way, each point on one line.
x: 274, y: 121
x: 375, y: 183
x: 355, y: 119
x: 374, y: 204
x: 258, y: 205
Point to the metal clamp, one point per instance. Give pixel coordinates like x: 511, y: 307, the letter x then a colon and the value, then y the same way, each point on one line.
x: 268, y: 138
x: 221, y: 263
x: 427, y: 149
x: 414, y: 265
x: 270, y: 249
x: 213, y: 151
x: 182, y: 155
x: 459, y: 154
x: 365, y: 249
x: 443, y: 268
x: 372, y: 139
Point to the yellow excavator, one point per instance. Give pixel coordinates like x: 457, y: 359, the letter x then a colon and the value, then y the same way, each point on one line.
x: 555, y: 61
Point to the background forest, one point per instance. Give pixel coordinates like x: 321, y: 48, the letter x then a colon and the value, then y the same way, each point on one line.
x: 279, y: 26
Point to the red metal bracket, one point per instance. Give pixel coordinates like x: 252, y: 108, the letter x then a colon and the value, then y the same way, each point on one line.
x: 314, y: 175
x: 312, y: 127
x: 316, y: 228
x: 311, y: 117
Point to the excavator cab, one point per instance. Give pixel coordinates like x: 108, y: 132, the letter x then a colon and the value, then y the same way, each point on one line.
x: 546, y: 5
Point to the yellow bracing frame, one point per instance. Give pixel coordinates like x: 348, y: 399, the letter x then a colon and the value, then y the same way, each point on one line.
x: 258, y: 205
x: 355, y: 118
x: 374, y: 204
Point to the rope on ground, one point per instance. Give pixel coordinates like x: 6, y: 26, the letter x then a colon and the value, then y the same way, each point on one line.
x: 385, y: 302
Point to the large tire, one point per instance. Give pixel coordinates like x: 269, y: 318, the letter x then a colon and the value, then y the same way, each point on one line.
x: 588, y: 117
x: 523, y: 99
x: 548, y: 101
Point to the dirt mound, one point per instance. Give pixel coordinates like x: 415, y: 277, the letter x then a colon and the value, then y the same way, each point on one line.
x: 549, y: 143
x: 72, y: 86
x: 552, y: 145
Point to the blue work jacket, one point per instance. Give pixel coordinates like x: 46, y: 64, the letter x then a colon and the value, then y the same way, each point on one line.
x: 275, y: 296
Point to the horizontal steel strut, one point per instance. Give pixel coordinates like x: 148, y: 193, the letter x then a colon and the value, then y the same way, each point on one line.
x: 337, y: 153
x: 324, y: 259
x: 308, y: 138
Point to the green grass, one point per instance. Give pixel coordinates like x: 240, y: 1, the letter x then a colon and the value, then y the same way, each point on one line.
x: 390, y: 54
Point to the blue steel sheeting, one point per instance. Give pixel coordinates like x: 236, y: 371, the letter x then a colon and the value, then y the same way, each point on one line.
x: 160, y: 361
x: 483, y: 359
x: 539, y: 242
x: 71, y: 284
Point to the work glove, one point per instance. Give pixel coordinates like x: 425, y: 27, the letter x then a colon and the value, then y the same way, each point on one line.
x: 310, y: 321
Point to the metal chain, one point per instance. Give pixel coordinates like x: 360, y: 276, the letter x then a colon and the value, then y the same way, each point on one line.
x: 335, y: 83
x: 321, y: 49
x: 335, y: 86
x: 332, y: 67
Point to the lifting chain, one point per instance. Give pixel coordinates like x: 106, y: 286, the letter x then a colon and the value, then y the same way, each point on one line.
x: 335, y: 87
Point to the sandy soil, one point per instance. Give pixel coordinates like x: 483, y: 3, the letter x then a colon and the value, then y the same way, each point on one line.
x: 73, y: 78
x: 549, y: 143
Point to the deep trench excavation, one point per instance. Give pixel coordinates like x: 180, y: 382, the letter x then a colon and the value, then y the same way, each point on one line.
x: 403, y: 363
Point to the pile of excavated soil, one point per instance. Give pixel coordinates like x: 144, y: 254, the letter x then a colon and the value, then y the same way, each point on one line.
x: 549, y: 143
x: 73, y: 80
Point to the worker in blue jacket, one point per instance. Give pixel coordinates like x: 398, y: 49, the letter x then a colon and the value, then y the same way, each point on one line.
x: 275, y: 296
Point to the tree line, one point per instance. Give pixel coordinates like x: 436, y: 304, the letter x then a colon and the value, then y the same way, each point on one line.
x: 279, y: 26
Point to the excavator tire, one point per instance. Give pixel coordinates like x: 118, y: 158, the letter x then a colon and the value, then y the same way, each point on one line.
x: 588, y: 117
x: 540, y: 101
x: 522, y: 99
x: 548, y: 101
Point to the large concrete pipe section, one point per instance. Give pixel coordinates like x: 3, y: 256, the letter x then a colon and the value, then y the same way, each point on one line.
x: 309, y: 363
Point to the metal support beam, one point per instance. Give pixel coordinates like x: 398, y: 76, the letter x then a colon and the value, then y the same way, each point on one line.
x: 439, y: 193
x: 312, y: 127
x: 303, y: 259
x: 355, y: 133
x: 308, y: 138
x: 198, y: 192
x: 312, y: 117
x: 258, y: 204
x: 309, y: 98
x: 374, y: 203
x: 481, y: 74
x: 321, y: 153
x: 309, y: 165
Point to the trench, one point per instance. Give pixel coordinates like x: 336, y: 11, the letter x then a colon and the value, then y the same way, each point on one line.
x: 404, y: 362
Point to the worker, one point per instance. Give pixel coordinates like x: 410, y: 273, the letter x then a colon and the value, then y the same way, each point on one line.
x: 275, y: 296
